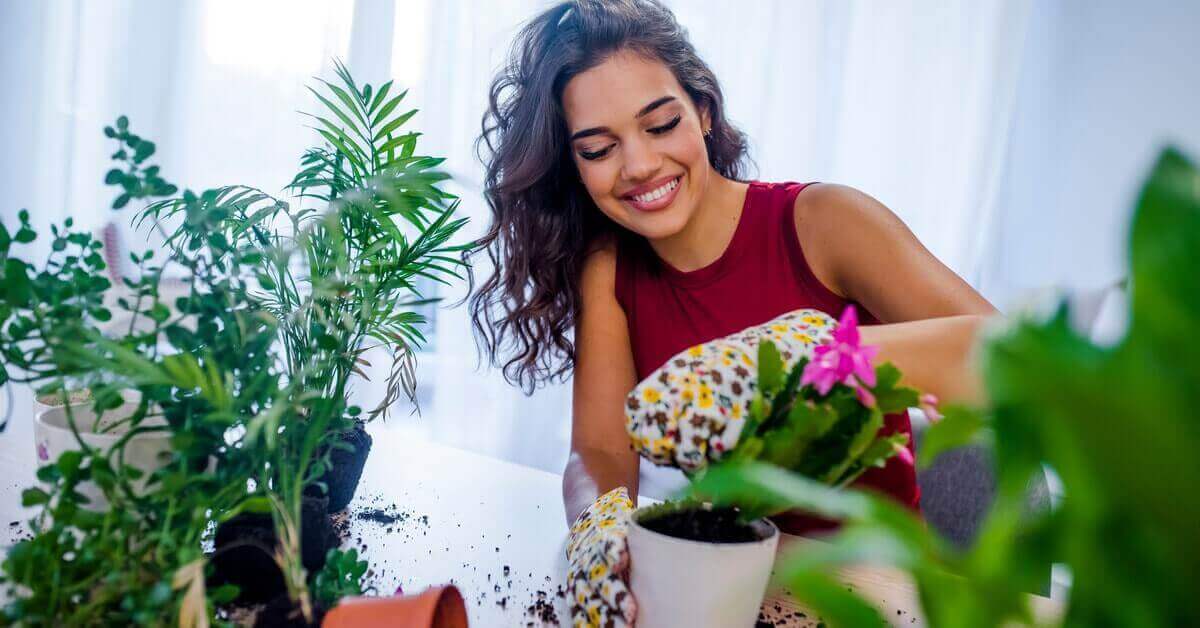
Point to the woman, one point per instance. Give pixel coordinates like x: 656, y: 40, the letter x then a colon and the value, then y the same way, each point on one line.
x: 621, y: 213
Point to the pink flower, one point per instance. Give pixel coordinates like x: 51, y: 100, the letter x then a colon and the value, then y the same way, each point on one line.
x: 929, y: 406
x: 864, y: 395
x: 42, y: 452
x: 904, y: 453
x: 843, y: 361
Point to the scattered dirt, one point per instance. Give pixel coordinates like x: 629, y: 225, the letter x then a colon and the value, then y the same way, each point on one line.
x: 542, y: 608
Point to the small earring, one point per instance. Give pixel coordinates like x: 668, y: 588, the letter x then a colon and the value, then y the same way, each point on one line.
x: 708, y: 132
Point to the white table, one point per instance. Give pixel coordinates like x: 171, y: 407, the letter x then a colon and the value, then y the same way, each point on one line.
x: 465, y: 518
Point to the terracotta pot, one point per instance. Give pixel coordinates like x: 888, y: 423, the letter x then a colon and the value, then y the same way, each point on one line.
x: 437, y: 607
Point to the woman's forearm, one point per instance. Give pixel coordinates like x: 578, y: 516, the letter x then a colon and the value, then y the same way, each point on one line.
x: 592, y: 472
x: 935, y: 355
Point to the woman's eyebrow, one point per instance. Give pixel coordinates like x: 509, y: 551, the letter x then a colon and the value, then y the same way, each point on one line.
x: 603, y: 129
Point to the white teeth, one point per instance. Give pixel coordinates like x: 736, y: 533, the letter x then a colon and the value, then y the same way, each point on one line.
x: 657, y: 194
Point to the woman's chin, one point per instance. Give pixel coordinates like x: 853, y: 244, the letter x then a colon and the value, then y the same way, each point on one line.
x: 658, y: 225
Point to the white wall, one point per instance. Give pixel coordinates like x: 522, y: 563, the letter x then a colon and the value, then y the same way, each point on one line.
x: 1104, y: 86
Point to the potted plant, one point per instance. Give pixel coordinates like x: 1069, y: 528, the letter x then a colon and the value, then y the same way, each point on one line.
x: 696, y: 563
x: 247, y: 375
x: 1116, y: 423
x: 346, y: 280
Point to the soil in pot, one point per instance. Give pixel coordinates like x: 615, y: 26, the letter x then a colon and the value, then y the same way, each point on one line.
x: 718, y: 525
x: 244, y: 546
x: 346, y: 467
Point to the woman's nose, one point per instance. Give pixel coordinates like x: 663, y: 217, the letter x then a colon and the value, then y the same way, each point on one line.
x: 641, y: 161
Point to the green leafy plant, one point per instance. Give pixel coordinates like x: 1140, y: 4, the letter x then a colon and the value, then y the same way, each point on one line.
x: 1117, y: 424
x: 249, y: 370
x: 831, y: 436
x: 342, y: 576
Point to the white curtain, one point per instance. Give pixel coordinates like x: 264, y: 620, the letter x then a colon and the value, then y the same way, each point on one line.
x: 908, y: 101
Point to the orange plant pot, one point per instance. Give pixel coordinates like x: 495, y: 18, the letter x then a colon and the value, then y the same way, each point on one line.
x: 437, y: 607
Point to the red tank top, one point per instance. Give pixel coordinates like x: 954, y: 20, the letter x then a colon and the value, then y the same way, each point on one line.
x: 761, y: 274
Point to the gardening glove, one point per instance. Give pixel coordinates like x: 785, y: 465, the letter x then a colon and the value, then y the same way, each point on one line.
x: 692, y: 409
x: 598, y: 563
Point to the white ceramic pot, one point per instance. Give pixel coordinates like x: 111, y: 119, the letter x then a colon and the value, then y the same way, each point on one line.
x: 679, y: 582
x: 147, y: 451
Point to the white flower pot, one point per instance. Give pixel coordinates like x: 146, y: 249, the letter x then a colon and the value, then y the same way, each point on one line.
x: 680, y: 582
x: 147, y: 451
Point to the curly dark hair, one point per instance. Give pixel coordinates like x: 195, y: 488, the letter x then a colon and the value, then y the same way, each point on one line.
x: 543, y: 220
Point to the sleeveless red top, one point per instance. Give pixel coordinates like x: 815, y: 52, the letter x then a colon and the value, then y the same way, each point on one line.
x: 761, y: 274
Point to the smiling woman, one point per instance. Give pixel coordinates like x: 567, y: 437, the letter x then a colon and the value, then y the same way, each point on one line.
x: 545, y: 179
x: 624, y: 232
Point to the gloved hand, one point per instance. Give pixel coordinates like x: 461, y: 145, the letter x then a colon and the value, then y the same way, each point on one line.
x: 692, y: 409
x: 598, y: 563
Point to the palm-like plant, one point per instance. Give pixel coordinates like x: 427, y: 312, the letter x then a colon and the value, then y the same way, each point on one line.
x: 251, y: 370
x: 348, y: 275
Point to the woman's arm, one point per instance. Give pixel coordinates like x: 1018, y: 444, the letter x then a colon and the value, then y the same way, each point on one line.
x: 601, y: 457
x: 861, y: 251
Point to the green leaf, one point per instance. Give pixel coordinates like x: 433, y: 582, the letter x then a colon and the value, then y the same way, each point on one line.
x: 379, y: 97
x: 387, y: 109
x: 770, y: 368
x: 392, y: 126
x: 16, y: 283
x: 858, y: 444
x: 350, y: 103
x: 25, y: 235
x: 327, y: 342
x: 960, y: 426
x: 69, y: 461
x: 34, y: 497
x: 159, y: 313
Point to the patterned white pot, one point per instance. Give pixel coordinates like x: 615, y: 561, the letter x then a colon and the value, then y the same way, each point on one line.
x: 146, y: 451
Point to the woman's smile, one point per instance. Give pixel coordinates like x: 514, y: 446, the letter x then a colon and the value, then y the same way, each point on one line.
x: 654, y: 196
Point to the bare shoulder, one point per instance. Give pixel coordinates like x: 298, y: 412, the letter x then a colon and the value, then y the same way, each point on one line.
x: 599, y: 271
x: 837, y: 225
x: 829, y: 208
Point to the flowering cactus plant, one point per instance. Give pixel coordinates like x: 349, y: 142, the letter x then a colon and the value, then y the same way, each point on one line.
x: 822, y: 417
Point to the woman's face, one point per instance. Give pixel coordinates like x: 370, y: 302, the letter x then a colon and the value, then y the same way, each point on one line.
x: 638, y: 142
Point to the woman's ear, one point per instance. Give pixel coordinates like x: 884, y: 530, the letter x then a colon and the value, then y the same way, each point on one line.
x: 705, y: 120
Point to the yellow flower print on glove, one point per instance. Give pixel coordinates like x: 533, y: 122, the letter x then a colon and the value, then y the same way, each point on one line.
x: 598, y: 563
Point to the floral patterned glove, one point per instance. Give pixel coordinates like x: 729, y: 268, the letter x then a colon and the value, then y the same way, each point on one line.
x: 692, y: 409
x: 598, y: 563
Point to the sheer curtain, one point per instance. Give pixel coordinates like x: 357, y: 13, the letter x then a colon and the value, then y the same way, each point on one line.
x: 908, y: 101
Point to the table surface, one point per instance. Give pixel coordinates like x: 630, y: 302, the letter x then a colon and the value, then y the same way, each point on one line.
x: 428, y: 514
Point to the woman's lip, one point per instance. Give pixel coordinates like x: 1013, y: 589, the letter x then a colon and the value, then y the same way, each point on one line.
x: 658, y: 203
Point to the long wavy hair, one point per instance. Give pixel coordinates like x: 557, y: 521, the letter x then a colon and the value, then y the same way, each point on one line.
x: 544, y: 223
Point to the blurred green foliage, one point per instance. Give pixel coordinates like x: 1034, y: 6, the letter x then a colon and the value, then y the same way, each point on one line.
x: 1118, y: 425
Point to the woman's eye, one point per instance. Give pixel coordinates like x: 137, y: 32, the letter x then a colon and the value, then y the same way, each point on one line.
x: 594, y: 155
x: 659, y: 130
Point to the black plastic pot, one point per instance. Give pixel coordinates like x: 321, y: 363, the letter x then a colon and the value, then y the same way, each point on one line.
x: 346, y: 467
x: 244, y: 547
x: 283, y: 612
